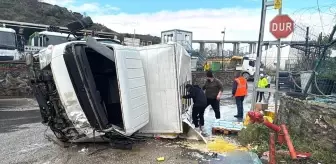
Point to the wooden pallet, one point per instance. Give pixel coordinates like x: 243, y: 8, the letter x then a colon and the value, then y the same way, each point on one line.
x: 217, y: 130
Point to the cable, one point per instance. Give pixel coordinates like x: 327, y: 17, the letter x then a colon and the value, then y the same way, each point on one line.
x: 303, y: 14
x: 319, y: 10
x: 317, y: 87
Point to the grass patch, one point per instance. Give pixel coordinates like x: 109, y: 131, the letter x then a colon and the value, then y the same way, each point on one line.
x: 257, y: 136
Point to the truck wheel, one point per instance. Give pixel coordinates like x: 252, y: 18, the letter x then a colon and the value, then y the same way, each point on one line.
x: 246, y: 75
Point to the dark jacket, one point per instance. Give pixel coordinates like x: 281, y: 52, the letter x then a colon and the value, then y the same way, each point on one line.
x: 198, y: 96
x: 212, y: 88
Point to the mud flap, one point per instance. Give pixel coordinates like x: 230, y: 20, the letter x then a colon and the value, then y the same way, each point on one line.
x: 189, y: 131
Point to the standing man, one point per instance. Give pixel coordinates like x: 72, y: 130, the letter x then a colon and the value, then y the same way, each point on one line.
x: 200, y: 103
x: 213, y: 91
x: 262, y: 83
x: 239, y: 91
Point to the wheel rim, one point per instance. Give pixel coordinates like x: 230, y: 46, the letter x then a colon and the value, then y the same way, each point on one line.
x: 246, y: 76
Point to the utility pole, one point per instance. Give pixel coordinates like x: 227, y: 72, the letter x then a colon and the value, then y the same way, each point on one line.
x: 277, y: 96
x: 223, y: 32
x: 265, y: 4
x: 307, y: 39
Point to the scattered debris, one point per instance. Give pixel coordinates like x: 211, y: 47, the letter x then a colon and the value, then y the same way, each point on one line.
x: 197, y: 155
x: 218, y: 130
x: 160, y: 159
x: 216, y: 144
x: 220, y: 145
x: 83, y: 150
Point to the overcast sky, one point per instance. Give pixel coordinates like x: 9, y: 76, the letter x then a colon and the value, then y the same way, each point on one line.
x: 206, y: 19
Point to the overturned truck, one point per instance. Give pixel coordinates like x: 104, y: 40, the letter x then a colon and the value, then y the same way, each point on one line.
x: 87, y: 89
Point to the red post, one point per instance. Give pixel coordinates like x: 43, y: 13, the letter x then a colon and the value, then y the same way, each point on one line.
x: 290, y: 146
x: 272, y: 159
x: 281, y: 138
x: 274, y: 127
x: 256, y: 117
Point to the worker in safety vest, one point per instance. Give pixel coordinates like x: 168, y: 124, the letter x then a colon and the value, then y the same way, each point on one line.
x: 206, y: 66
x: 262, y: 83
x: 239, y: 91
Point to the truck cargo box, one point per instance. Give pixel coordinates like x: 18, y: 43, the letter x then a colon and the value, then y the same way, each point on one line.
x: 167, y: 70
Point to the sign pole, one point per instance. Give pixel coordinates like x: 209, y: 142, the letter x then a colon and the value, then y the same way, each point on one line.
x: 277, y: 97
x: 223, y: 32
x: 259, y: 53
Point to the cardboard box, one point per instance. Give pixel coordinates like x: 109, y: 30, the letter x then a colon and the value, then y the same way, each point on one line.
x: 261, y: 107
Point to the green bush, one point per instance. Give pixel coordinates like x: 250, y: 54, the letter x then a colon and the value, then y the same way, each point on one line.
x: 257, y: 135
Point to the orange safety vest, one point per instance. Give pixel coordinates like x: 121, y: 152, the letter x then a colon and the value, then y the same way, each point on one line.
x: 241, y: 86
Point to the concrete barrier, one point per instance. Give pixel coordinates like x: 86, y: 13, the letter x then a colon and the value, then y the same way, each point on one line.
x: 226, y: 77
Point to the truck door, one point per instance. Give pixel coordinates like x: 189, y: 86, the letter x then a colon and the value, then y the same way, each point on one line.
x: 131, y: 82
x: 133, y: 91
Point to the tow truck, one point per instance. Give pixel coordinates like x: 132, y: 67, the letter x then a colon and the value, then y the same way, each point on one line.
x: 41, y: 40
x: 45, y: 35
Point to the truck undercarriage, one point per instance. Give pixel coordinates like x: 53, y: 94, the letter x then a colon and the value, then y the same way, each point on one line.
x: 51, y: 108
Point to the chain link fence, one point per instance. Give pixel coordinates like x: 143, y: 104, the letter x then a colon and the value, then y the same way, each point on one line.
x: 303, y: 58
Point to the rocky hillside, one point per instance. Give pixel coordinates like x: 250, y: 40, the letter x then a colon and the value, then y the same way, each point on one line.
x: 34, y: 11
x: 37, y: 12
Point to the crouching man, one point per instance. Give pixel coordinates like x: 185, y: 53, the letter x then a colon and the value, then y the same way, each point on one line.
x: 200, y: 103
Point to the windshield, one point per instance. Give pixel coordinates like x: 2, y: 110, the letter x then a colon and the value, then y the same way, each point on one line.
x: 7, y: 40
x: 54, y: 40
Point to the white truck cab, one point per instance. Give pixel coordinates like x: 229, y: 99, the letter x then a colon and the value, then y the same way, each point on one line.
x: 40, y: 40
x: 46, y: 38
x: 248, y: 67
x: 8, y: 44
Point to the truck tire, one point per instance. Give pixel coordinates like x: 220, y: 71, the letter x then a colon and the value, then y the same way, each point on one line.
x: 246, y: 75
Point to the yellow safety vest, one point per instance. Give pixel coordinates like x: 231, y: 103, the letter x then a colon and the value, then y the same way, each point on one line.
x: 262, y: 83
x: 206, y: 67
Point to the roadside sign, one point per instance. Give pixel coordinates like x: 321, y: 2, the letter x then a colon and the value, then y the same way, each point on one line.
x: 281, y: 26
x: 277, y: 4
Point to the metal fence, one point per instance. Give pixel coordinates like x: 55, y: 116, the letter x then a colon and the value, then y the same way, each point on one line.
x: 303, y: 58
x: 183, y: 91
